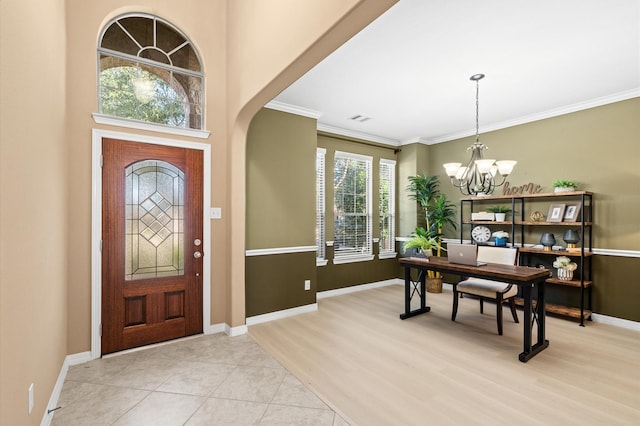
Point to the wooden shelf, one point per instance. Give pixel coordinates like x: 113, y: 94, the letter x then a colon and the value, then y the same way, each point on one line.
x: 553, y: 223
x: 570, y: 283
x: 554, y: 252
x: 485, y: 222
x: 522, y: 232
x: 517, y: 197
x: 566, y: 311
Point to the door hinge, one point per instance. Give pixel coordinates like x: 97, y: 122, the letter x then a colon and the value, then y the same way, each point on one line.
x: 101, y: 160
x: 100, y: 329
x: 100, y: 246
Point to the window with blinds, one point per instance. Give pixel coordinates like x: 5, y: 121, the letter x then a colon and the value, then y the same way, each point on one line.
x: 352, y: 205
x: 320, y: 194
x: 387, y: 206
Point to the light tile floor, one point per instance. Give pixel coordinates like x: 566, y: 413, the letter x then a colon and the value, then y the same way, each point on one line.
x: 206, y: 380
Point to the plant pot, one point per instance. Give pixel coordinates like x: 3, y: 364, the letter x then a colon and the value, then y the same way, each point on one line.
x: 564, y: 189
x: 423, y: 254
x: 565, y: 274
x: 434, y: 285
x: 501, y: 217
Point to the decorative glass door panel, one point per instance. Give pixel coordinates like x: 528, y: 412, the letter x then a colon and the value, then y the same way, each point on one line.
x: 154, y: 220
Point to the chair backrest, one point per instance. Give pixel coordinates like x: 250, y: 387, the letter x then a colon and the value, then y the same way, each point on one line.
x: 503, y: 255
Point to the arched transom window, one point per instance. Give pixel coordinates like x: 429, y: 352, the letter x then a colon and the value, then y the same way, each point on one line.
x: 149, y: 71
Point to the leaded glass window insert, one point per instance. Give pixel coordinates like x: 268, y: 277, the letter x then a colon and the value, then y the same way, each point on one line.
x: 352, y: 205
x: 149, y: 71
x: 154, y: 220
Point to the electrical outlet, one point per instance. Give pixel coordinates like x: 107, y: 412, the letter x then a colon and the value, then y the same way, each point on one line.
x: 307, y: 284
x: 31, y: 398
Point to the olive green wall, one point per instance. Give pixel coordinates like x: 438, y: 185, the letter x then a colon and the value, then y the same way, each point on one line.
x: 333, y: 276
x: 599, y: 149
x: 413, y: 159
x: 276, y: 282
x: 281, y: 206
x: 595, y: 147
x: 281, y: 177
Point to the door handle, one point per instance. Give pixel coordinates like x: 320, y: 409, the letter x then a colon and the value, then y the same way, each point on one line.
x: 197, y: 255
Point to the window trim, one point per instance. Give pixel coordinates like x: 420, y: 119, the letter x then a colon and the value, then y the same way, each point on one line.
x: 368, y: 255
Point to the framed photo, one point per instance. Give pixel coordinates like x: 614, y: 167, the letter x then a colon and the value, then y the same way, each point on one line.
x: 556, y: 212
x: 571, y: 213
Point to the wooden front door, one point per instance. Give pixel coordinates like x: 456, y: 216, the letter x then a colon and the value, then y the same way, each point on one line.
x: 152, y: 213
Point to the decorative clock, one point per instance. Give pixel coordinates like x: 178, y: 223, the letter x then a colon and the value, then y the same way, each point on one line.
x: 481, y: 234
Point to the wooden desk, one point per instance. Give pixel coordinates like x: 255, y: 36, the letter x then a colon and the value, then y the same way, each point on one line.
x: 527, y: 278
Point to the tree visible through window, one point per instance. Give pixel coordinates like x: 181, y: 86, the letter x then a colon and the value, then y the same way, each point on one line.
x: 150, y: 72
x: 352, y: 205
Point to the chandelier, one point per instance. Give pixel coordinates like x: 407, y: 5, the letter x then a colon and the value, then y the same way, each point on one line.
x: 478, y: 177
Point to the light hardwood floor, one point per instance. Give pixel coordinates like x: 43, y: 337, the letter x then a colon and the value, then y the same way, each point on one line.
x: 375, y: 369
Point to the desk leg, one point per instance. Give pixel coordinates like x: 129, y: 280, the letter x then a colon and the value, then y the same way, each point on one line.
x: 530, y: 315
x: 410, y: 288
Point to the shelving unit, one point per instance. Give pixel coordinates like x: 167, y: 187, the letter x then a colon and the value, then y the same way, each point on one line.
x: 519, y: 237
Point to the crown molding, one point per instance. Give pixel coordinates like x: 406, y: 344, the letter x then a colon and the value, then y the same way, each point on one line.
x: 358, y: 135
x: 580, y: 106
x: 293, y: 109
x: 568, y: 109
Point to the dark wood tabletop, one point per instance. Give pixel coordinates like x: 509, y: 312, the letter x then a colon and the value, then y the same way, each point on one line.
x: 505, y: 273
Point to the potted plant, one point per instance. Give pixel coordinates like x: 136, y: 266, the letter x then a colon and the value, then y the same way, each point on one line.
x: 500, y: 212
x: 565, y: 267
x: 438, y: 212
x: 562, y: 185
x: 500, y: 238
x: 421, y: 242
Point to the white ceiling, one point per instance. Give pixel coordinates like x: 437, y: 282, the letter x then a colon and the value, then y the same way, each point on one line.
x: 409, y: 70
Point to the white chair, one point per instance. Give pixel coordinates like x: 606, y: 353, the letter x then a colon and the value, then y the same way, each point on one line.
x: 487, y: 289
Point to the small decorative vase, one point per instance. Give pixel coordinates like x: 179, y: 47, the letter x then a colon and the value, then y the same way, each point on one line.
x: 571, y: 237
x: 547, y: 240
x: 565, y: 274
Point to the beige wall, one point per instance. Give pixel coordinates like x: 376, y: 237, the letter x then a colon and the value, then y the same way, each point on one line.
x: 33, y: 206
x: 251, y: 50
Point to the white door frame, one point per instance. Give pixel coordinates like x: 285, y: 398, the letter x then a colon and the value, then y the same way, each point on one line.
x: 96, y: 226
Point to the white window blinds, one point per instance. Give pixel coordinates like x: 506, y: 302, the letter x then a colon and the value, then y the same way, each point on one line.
x: 387, y: 206
x: 320, y: 194
x: 352, y: 205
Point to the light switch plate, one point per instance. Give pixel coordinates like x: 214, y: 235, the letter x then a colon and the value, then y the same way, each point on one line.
x: 216, y: 213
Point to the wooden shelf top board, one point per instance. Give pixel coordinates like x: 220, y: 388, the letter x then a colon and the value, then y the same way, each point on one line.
x: 541, y: 195
x: 570, y: 283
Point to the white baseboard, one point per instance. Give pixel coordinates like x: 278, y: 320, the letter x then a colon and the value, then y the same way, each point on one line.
x: 235, y: 331
x: 257, y: 319
x: 361, y: 287
x: 215, y: 328
x: 618, y: 322
x: 69, y: 360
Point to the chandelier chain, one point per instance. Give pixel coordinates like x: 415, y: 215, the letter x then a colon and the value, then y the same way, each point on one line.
x: 477, y: 111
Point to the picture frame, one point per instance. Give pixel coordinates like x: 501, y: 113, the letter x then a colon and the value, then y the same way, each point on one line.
x: 556, y: 213
x: 571, y: 213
